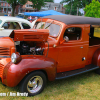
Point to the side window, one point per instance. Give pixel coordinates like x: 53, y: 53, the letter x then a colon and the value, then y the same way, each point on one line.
x: 97, y: 32
x: 11, y: 25
x: 94, y: 31
x: 16, y: 25
x: 5, y: 25
x: 73, y: 33
x: 25, y: 26
x: 94, y: 35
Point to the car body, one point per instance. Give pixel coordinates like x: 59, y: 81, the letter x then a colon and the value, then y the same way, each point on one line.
x: 8, y: 24
x: 58, y: 47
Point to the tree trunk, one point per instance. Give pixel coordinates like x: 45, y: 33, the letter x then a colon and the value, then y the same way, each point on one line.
x: 13, y: 10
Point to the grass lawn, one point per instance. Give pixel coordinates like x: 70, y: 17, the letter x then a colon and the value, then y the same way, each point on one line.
x: 82, y: 87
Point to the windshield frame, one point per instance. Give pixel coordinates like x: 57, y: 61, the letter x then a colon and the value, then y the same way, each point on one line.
x: 51, y: 22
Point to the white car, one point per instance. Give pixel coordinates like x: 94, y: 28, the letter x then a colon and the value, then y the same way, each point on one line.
x: 8, y: 24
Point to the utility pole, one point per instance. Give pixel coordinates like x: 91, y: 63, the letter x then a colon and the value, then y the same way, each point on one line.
x: 71, y: 7
x: 77, y: 11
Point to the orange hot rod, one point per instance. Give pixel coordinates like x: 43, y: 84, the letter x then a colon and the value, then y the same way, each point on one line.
x: 58, y: 47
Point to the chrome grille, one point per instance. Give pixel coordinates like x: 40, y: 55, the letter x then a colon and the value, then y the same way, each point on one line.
x: 4, y: 51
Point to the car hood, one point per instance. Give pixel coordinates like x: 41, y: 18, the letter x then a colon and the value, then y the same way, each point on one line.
x: 40, y: 35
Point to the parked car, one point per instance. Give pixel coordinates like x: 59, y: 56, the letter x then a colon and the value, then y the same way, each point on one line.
x: 20, y: 15
x: 60, y: 46
x: 8, y: 24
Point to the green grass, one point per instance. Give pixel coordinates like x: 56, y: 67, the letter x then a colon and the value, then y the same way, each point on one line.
x: 82, y: 87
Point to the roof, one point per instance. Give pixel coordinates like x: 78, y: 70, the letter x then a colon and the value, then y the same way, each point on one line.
x: 12, y: 18
x: 9, y: 18
x: 70, y: 19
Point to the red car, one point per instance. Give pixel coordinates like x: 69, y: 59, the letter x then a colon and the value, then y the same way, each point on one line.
x: 60, y: 46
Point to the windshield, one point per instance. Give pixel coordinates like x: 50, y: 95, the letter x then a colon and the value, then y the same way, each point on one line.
x: 53, y: 28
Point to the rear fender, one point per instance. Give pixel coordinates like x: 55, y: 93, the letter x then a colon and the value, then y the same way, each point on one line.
x: 14, y: 73
x: 96, y: 58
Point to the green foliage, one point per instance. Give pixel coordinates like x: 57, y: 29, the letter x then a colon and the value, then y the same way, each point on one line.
x: 37, y: 4
x: 73, y: 5
x: 93, y: 9
x: 72, y: 11
x: 77, y: 3
x: 14, y: 3
x: 48, y: 1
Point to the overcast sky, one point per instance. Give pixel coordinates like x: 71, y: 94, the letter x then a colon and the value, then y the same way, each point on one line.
x: 57, y: 1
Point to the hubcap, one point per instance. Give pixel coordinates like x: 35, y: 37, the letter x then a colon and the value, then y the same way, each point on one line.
x: 34, y: 84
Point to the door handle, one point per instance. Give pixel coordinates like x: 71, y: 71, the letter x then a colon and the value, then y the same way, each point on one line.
x: 81, y: 47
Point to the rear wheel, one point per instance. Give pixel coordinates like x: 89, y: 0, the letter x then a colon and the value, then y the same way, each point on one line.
x: 34, y: 83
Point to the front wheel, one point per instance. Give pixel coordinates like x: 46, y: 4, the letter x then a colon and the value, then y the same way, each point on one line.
x: 34, y: 83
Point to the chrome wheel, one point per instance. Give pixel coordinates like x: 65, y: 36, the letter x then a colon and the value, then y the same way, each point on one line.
x: 34, y: 84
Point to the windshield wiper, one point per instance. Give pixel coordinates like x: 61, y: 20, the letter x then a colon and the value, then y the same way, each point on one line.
x: 48, y: 25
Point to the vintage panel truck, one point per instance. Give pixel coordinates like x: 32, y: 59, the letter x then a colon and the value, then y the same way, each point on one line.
x: 59, y: 46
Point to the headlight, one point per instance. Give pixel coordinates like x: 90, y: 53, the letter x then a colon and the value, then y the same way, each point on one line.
x: 15, y: 58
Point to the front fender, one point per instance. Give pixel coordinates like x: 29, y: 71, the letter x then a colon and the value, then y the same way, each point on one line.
x: 14, y: 73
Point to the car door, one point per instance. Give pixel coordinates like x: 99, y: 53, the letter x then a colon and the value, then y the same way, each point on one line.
x: 71, y: 56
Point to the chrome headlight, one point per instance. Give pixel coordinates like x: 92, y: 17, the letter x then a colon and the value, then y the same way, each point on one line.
x: 15, y: 58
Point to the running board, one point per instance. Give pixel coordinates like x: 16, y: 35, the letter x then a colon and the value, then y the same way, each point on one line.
x: 67, y: 74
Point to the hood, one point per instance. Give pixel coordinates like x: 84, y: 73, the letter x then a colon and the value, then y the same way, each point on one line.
x: 40, y: 35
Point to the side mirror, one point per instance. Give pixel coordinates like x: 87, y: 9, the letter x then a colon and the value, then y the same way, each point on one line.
x: 65, y: 39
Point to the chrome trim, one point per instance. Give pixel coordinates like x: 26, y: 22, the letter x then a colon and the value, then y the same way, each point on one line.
x: 4, y: 56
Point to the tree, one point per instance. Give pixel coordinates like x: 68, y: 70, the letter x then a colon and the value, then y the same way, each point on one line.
x: 48, y: 0
x: 14, y: 3
x: 72, y: 11
x: 37, y: 4
x: 93, y: 9
x: 75, y: 5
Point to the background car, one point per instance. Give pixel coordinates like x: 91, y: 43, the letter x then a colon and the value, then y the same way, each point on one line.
x: 20, y: 15
x: 8, y: 24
